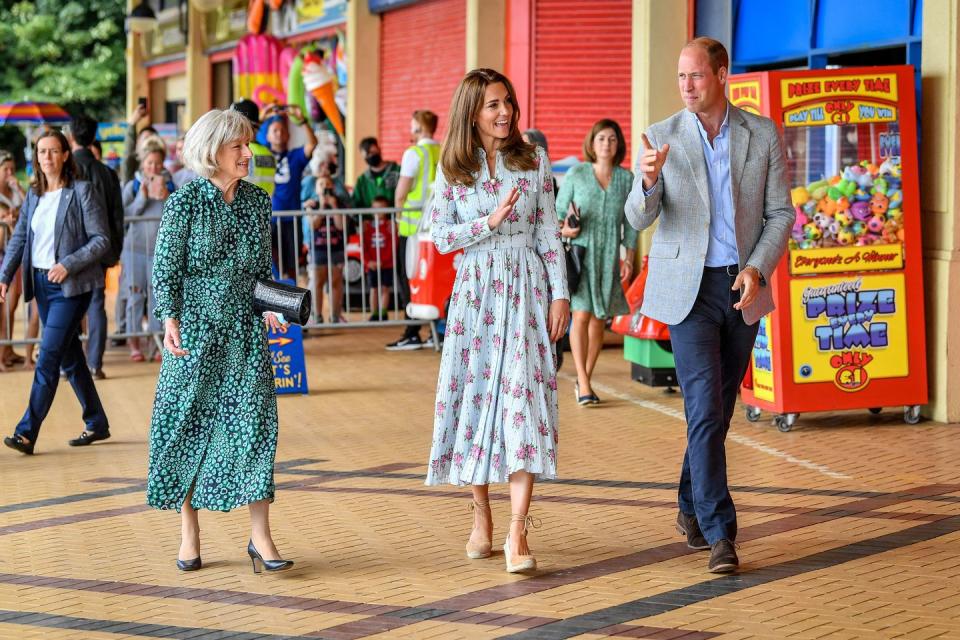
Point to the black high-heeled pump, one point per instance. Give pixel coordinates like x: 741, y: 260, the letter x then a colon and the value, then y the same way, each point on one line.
x: 189, y: 565
x: 268, y: 565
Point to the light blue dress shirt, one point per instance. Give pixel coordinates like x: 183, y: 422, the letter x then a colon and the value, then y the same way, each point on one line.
x: 722, y: 248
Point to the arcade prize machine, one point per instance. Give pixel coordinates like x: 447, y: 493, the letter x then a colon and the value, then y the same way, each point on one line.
x: 848, y: 331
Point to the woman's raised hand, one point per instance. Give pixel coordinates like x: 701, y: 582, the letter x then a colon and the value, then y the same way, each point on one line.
x: 505, y: 209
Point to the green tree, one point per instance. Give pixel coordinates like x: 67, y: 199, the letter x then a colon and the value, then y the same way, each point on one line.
x: 67, y: 52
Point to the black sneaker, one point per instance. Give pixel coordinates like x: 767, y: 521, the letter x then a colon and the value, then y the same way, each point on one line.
x: 98, y: 374
x: 118, y: 342
x: 687, y: 525
x: 411, y: 343
x: 723, y: 557
x: 88, y: 437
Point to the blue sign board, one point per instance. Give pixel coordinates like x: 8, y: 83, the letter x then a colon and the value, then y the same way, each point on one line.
x: 286, y: 356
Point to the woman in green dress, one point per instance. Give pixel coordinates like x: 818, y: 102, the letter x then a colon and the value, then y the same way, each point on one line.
x: 595, y: 192
x: 213, y: 437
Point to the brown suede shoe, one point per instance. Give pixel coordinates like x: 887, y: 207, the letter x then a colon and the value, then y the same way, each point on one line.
x: 723, y: 557
x: 687, y: 525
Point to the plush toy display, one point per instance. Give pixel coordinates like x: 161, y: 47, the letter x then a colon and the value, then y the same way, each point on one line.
x: 862, y: 206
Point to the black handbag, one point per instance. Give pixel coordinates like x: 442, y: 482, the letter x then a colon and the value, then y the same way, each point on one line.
x: 293, y: 302
x: 574, y: 254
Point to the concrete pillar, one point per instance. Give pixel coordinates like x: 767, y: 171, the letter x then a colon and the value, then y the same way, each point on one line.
x: 363, y: 84
x: 199, y: 78
x: 137, y: 82
x: 486, y: 34
x: 659, y: 31
x: 940, y: 204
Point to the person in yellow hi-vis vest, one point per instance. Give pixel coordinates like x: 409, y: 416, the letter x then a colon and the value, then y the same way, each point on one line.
x: 263, y: 166
x: 418, y: 169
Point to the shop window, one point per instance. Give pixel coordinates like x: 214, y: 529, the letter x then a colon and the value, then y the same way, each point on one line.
x: 174, y: 112
x: 222, y: 77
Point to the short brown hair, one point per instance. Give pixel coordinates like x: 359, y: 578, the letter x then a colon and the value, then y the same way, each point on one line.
x: 427, y: 120
x: 606, y: 123
x: 460, y: 158
x: 716, y: 52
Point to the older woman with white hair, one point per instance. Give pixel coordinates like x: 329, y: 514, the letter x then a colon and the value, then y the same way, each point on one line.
x: 213, y: 436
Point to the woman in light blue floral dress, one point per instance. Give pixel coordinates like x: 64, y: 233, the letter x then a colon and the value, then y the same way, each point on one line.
x: 496, y: 408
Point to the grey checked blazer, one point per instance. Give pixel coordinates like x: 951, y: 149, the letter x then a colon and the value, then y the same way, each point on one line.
x: 763, y: 214
x: 82, y: 240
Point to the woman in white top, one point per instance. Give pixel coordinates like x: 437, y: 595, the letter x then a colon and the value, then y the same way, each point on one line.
x: 11, y: 198
x: 60, y: 239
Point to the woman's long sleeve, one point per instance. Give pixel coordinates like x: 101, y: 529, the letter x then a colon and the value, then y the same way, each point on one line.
x: 565, y: 195
x: 547, y: 232
x: 265, y: 262
x: 448, y: 232
x: 170, y: 261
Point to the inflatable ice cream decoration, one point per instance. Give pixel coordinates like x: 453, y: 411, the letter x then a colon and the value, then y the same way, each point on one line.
x: 319, y: 81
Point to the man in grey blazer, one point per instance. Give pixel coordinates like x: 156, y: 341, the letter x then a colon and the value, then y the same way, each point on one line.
x: 714, y: 177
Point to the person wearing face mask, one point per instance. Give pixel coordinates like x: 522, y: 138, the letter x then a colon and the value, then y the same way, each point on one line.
x: 324, y: 236
x: 143, y: 196
x: 286, y: 194
x: 590, y: 204
x: 418, y: 168
x: 379, y: 180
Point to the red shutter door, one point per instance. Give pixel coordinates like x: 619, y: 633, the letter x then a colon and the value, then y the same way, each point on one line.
x: 581, y: 70
x: 423, y: 57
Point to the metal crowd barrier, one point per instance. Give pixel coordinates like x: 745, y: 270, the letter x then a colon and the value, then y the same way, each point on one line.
x: 312, y: 256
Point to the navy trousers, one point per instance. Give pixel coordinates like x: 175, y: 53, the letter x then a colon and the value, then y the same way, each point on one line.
x: 711, y: 348
x: 96, y: 329
x: 60, y: 348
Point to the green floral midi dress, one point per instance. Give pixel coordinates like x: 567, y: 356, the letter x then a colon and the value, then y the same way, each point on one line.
x: 214, y: 423
x: 603, y: 228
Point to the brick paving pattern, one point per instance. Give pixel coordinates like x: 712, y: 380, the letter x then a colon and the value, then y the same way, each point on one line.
x: 849, y: 524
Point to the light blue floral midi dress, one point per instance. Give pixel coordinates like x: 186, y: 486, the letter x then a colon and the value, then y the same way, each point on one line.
x: 496, y: 405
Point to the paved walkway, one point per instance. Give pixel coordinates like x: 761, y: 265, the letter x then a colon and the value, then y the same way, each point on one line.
x: 850, y: 524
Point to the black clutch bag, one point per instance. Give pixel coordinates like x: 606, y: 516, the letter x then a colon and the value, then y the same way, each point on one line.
x: 293, y: 302
x: 575, y: 254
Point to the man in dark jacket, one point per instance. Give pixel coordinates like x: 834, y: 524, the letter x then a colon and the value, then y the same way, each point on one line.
x: 106, y: 188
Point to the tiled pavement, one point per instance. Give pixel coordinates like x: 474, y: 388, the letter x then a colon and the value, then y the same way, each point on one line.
x: 850, y: 524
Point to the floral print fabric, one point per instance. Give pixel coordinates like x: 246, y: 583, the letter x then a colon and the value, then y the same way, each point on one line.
x: 214, y: 423
x: 603, y: 228
x: 496, y: 404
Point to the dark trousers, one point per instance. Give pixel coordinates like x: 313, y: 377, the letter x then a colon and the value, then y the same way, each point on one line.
x: 711, y: 347
x: 403, y: 284
x: 60, y: 348
x: 96, y: 329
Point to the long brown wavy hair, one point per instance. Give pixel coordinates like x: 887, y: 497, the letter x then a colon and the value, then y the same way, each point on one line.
x: 460, y: 159
x: 68, y: 174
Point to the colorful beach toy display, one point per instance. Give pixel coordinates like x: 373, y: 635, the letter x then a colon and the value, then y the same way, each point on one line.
x: 848, y: 332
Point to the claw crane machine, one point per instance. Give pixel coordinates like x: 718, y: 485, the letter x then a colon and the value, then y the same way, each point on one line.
x: 848, y: 331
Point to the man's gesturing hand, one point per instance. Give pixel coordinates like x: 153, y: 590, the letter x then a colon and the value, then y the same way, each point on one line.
x: 651, y: 162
